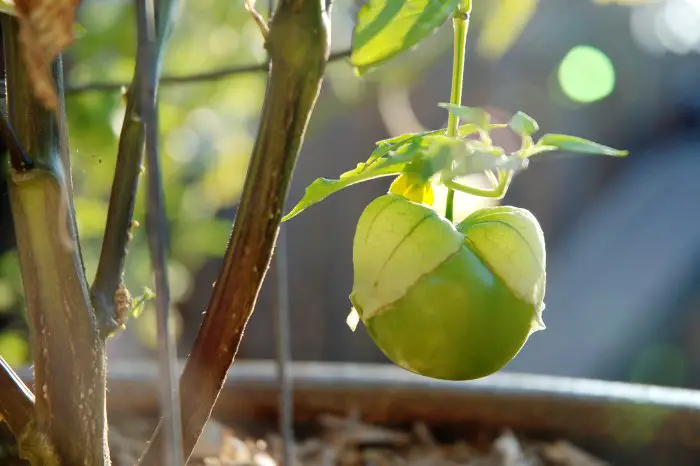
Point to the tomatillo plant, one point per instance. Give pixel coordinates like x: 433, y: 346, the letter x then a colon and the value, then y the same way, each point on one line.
x: 447, y: 301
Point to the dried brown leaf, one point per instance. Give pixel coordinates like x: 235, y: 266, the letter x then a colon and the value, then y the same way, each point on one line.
x: 46, y: 29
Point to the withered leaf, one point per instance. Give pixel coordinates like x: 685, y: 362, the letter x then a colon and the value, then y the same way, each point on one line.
x: 46, y: 29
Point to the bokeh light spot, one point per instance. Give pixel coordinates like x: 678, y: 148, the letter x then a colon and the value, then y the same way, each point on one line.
x: 586, y: 74
x: 7, y: 296
x: 14, y: 348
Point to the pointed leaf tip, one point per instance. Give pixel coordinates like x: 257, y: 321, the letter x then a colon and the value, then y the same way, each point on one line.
x: 580, y: 145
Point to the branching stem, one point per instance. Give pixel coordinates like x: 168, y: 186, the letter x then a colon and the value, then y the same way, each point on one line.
x: 504, y: 179
x: 110, y: 268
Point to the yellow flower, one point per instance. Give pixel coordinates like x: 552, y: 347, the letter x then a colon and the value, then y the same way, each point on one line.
x: 413, y: 189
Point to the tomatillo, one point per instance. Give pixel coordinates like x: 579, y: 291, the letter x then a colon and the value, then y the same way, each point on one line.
x: 454, y: 303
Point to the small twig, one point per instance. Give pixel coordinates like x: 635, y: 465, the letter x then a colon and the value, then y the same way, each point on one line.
x: 157, y: 227
x: 16, y: 400
x: 117, y: 234
x: 206, y: 76
x: 257, y: 17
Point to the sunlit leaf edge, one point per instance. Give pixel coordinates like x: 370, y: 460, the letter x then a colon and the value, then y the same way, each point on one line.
x: 361, y: 69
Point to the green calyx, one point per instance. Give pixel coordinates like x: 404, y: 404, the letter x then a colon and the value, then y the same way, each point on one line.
x: 448, y: 302
x: 511, y: 242
x: 397, y: 242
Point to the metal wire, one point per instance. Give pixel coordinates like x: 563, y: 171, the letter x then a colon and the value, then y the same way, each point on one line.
x: 283, y: 343
x: 283, y: 337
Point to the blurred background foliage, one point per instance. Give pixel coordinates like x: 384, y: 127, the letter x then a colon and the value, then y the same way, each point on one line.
x: 618, y: 71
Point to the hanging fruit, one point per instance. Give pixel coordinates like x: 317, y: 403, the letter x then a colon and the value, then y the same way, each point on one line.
x: 448, y: 302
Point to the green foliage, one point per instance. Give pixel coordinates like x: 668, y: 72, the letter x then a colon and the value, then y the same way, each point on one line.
x: 423, y: 156
x: 432, y: 156
x: 387, y: 28
x: 14, y: 347
x: 140, y: 302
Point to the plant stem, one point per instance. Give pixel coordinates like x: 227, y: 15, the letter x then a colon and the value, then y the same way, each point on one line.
x: 499, y: 190
x: 69, y: 355
x: 298, y: 44
x: 460, y: 23
x: 110, y: 268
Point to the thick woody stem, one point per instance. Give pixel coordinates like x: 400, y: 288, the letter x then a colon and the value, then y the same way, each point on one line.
x: 69, y: 357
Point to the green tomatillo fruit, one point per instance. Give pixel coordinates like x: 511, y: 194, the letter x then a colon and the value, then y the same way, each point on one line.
x: 446, y: 302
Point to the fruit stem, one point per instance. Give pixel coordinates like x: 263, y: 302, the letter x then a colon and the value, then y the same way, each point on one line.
x: 498, y: 192
x: 460, y: 23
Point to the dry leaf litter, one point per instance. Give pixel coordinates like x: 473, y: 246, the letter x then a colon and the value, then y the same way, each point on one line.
x: 347, y: 441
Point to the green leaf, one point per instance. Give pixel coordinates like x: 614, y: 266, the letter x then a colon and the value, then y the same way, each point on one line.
x: 390, y: 163
x: 387, y: 145
x: 140, y: 302
x: 470, y: 128
x: 421, y: 155
x: 523, y: 124
x: 455, y: 157
x: 406, y: 137
x: 575, y: 144
x: 473, y: 115
x: 386, y: 28
x: 464, y: 131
